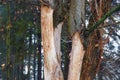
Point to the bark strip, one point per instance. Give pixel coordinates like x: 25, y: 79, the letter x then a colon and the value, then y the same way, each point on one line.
x: 76, y: 58
x: 52, y: 69
x: 57, y: 38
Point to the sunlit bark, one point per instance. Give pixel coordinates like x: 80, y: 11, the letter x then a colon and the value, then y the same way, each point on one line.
x: 76, y: 58
x: 52, y: 69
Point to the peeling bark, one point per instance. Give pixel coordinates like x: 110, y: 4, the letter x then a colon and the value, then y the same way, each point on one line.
x: 52, y: 69
x: 57, y: 38
x: 76, y: 58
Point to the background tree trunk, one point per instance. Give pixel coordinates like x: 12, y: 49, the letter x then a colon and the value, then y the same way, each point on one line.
x: 39, y: 57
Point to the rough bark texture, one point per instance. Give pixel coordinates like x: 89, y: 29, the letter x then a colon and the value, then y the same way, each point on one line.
x: 76, y: 16
x: 52, y: 69
x: 94, y: 48
x: 75, y: 22
x: 91, y: 57
x: 76, y: 58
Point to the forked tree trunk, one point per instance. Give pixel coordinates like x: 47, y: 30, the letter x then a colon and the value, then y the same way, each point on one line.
x: 52, y: 69
x: 51, y: 45
x: 76, y: 58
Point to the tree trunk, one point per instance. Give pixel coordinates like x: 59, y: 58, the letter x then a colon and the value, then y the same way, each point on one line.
x: 57, y: 38
x: 51, y: 43
x: 76, y: 58
x: 76, y: 25
x: 39, y: 57
x: 52, y: 69
x: 94, y: 48
x: 76, y: 16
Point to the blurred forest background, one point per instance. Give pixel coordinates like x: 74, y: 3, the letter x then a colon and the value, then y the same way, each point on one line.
x: 21, y: 54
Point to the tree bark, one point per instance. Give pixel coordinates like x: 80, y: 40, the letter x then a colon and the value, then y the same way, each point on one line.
x: 94, y: 48
x: 76, y: 16
x: 52, y: 69
x: 39, y: 57
x: 75, y: 22
x: 76, y: 58
x: 57, y: 38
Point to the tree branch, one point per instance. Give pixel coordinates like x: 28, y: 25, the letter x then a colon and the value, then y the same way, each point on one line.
x: 104, y: 26
x: 91, y: 30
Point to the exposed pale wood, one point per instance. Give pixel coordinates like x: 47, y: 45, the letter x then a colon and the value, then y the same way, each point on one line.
x: 57, y: 38
x: 52, y: 69
x: 76, y: 58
